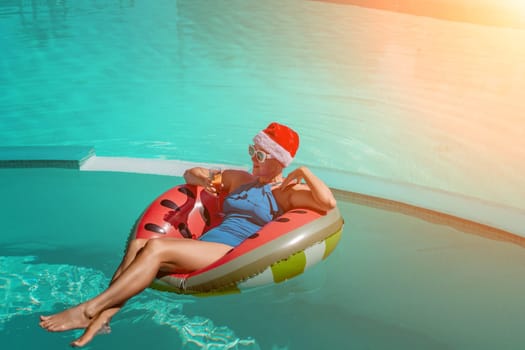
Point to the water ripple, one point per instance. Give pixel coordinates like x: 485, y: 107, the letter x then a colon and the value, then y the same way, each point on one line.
x: 28, y: 288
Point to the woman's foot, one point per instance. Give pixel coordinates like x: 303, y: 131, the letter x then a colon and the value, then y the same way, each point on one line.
x: 100, y: 325
x: 73, y: 318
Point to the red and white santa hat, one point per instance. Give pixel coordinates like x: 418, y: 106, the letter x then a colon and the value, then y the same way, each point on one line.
x: 279, y: 141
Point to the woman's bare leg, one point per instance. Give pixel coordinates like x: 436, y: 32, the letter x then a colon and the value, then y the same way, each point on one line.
x: 101, y: 322
x: 158, y: 255
x: 132, y: 250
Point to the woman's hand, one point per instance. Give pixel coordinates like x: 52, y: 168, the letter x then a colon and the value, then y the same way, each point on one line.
x: 293, y: 178
x: 314, y: 194
x: 210, y: 179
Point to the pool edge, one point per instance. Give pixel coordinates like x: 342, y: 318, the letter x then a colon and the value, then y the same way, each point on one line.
x: 372, y: 190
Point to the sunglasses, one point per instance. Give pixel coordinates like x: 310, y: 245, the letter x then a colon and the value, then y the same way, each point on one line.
x: 259, y: 155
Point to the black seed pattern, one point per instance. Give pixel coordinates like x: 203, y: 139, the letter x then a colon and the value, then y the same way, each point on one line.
x: 154, y: 228
x: 187, y: 192
x: 282, y: 220
x: 169, y: 204
x: 299, y: 211
x: 184, y: 230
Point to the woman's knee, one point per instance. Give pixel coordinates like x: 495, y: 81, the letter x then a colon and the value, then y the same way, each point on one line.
x: 166, y: 249
x: 153, y: 247
x: 136, y: 245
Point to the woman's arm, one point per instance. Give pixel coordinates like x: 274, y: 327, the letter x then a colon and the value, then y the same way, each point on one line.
x: 210, y: 179
x: 197, y: 176
x: 314, y: 194
x: 228, y: 181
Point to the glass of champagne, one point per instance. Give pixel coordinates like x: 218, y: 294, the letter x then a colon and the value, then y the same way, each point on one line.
x: 216, y: 179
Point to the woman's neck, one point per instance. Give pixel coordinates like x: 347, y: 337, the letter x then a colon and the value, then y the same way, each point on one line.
x: 268, y: 179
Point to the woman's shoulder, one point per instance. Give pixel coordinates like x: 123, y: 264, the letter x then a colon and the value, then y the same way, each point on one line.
x: 285, y: 195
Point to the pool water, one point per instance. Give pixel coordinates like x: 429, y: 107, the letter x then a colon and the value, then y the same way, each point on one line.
x: 174, y: 79
x: 394, y: 282
x: 385, y: 94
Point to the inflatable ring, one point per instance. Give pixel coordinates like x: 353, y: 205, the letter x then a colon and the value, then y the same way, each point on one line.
x: 282, y: 249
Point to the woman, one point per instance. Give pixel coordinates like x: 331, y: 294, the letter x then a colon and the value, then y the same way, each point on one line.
x: 253, y: 199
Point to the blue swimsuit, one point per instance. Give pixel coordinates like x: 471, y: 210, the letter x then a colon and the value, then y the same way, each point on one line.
x: 246, y: 210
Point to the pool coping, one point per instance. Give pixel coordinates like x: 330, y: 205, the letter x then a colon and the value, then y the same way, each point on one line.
x: 366, y: 188
x: 69, y: 157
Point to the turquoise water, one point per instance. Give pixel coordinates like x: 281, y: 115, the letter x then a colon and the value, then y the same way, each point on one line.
x: 394, y: 282
x: 401, y: 97
x: 174, y: 79
x: 166, y: 79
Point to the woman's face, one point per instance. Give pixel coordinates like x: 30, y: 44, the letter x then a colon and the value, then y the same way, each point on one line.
x: 269, y: 168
